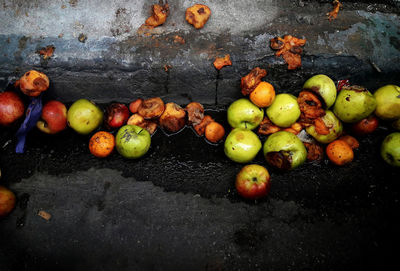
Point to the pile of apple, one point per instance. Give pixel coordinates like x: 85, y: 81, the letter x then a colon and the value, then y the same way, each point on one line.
x: 300, y: 128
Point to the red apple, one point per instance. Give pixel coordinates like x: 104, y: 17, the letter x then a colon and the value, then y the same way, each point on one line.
x: 365, y: 126
x: 253, y: 181
x: 134, y: 106
x: 11, y: 108
x: 7, y: 201
x: 116, y: 115
x: 54, y: 117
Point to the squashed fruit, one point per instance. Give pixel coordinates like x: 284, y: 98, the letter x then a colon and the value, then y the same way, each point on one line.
x: 195, y: 113
x: 151, y: 108
x: 221, y: 62
x: 201, y: 127
x: 198, y: 15
x: 173, y: 118
x: 32, y: 83
x: 250, y: 81
x: 159, y: 15
x: 289, y: 48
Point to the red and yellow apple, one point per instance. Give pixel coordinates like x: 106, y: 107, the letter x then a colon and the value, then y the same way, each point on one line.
x: 7, y: 201
x: 253, y: 182
x: 54, y: 118
x: 11, y: 108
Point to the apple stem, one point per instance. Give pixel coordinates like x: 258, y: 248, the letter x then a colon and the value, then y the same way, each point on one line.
x: 254, y: 179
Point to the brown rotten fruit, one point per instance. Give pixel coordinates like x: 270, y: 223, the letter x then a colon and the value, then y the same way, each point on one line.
x: 151, y: 108
x: 138, y: 120
x: 159, y: 15
x: 195, y: 113
x: 198, y: 15
x: 32, y: 83
x: 201, y: 127
x: 250, y: 81
x: 173, y: 118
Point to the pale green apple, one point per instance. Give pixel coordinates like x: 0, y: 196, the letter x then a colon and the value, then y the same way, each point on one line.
x: 84, y: 116
x: 390, y: 149
x: 323, y: 86
x: 132, y: 141
x: 388, y: 102
x: 284, y: 150
x: 334, y: 125
x: 242, y: 145
x: 243, y: 113
x: 284, y: 111
x: 354, y: 104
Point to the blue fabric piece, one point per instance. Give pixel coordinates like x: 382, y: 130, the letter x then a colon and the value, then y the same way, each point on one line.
x: 33, y: 114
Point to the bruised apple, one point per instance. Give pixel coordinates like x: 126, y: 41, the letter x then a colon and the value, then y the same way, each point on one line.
x: 284, y: 150
x: 173, y: 118
x: 7, y: 201
x: 54, y: 118
x: 331, y: 123
x: 32, y: 83
x: 117, y: 114
x: 253, y: 182
x: 11, y: 108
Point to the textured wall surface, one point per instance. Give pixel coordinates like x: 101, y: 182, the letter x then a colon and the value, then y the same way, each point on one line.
x: 117, y: 63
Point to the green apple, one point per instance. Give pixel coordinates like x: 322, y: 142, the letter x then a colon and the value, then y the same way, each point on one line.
x: 284, y: 150
x: 388, y: 102
x: 284, y: 111
x: 132, y: 141
x: 242, y: 145
x: 354, y: 104
x: 323, y: 86
x: 390, y: 149
x: 84, y: 116
x: 334, y: 125
x: 243, y: 113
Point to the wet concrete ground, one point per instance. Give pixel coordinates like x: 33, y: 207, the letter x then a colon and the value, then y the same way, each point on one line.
x: 176, y: 209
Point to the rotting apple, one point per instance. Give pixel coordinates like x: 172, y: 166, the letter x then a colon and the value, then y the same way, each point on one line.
x: 7, y: 201
x: 54, y: 117
x: 117, y: 114
x: 353, y: 104
x: 365, y: 126
x: 173, y: 118
x: 242, y: 145
x: 388, y: 102
x: 134, y: 106
x: 390, y: 149
x: 132, y: 141
x: 324, y: 87
x: 84, y: 116
x: 32, y: 83
x: 11, y: 108
x: 253, y: 181
x: 284, y: 111
x: 243, y: 113
x: 335, y: 128
x: 284, y: 150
